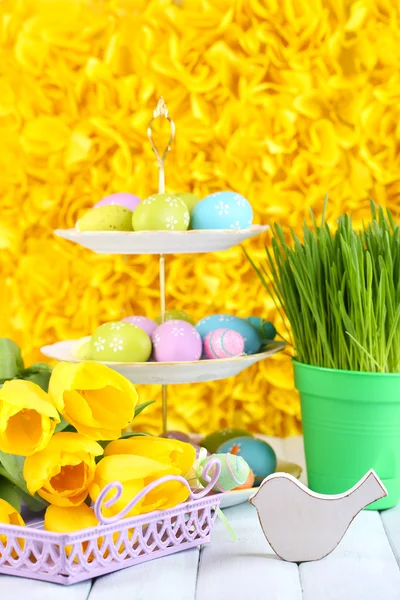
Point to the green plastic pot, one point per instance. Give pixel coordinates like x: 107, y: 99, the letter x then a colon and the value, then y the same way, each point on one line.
x: 351, y: 423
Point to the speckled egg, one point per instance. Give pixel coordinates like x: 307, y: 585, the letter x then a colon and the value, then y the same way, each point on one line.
x: 161, y: 212
x: 120, y: 342
x: 130, y: 201
x: 106, y: 218
x: 212, y: 441
x: 259, y: 455
x: 189, y: 199
x: 223, y: 343
x: 148, y: 325
x: 222, y: 210
x: 176, y: 341
x: 266, y: 328
x: 175, y: 315
x: 252, y: 338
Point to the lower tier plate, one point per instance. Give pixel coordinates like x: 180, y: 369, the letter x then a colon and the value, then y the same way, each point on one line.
x: 170, y: 372
x: 160, y: 242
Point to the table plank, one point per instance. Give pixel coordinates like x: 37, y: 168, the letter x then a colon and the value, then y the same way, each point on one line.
x: 391, y: 523
x: 20, y: 588
x: 362, y: 567
x: 170, y: 578
x: 247, y: 568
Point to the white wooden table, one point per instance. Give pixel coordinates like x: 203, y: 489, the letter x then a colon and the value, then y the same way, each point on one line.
x: 365, y: 566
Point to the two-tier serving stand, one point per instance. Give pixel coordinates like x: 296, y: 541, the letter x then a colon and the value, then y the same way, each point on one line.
x: 162, y: 243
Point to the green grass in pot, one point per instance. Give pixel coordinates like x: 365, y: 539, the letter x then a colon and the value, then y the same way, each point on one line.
x: 340, y: 290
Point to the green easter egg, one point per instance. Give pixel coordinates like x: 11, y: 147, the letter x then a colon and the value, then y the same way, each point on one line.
x: 161, y: 212
x: 106, y: 218
x: 120, y: 342
x: 82, y: 349
x: 189, y: 199
x: 213, y: 440
x: 234, y: 472
x: 172, y: 315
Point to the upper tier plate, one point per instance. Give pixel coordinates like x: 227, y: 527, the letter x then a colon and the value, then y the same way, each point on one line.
x: 160, y: 242
x: 170, y: 372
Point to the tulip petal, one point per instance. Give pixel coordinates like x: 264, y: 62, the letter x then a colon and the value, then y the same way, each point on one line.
x: 66, y: 520
x: 28, y: 395
x: 95, y: 399
x: 181, y: 454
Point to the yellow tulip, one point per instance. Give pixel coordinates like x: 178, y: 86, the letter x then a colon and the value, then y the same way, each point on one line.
x: 96, y: 400
x: 174, y: 452
x: 179, y: 456
x: 135, y: 472
x: 74, y: 518
x: 10, y: 516
x: 68, y: 519
x: 63, y: 471
x: 27, y: 418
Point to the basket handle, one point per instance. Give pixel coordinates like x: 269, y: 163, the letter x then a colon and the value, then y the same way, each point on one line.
x: 210, y: 474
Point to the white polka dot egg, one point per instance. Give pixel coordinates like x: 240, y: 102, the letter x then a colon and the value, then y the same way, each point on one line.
x: 176, y: 341
x: 222, y: 210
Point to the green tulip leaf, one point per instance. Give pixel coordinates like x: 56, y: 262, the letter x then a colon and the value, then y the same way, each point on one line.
x: 34, y: 503
x: 11, y: 363
x: 141, y: 407
x: 63, y: 425
x: 10, y: 493
x: 13, y: 469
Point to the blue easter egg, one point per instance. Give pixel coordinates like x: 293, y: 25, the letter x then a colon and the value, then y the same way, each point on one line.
x: 222, y: 210
x: 266, y: 328
x: 259, y: 455
x: 252, y: 338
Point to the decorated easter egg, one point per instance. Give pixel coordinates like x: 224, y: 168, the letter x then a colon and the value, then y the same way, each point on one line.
x: 259, y: 455
x: 212, y: 441
x: 266, y: 328
x: 222, y: 210
x: 223, y: 343
x: 248, y: 484
x: 252, y: 338
x: 120, y: 342
x: 173, y: 315
x: 161, y: 211
x: 130, y: 201
x: 189, y: 199
x: 176, y: 341
x: 234, y: 472
x: 81, y: 349
x: 148, y: 325
x: 106, y: 218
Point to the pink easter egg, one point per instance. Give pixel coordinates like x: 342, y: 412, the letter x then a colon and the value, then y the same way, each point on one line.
x: 130, y: 201
x: 148, y: 325
x: 176, y: 341
x: 223, y: 343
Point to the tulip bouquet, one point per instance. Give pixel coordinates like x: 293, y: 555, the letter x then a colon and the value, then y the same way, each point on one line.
x: 59, y: 448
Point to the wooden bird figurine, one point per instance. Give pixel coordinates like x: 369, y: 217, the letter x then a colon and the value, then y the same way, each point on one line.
x: 301, y: 525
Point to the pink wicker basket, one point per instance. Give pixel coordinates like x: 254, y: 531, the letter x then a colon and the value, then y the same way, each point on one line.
x: 116, y: 543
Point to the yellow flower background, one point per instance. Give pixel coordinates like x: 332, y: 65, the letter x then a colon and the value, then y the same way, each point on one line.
x: 280, y: 101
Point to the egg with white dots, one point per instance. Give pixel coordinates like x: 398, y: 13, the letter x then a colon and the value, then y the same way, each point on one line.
x: 176, y: 341
x: 259, y: 455
x: 222, y: 210
x: 251, y: 336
